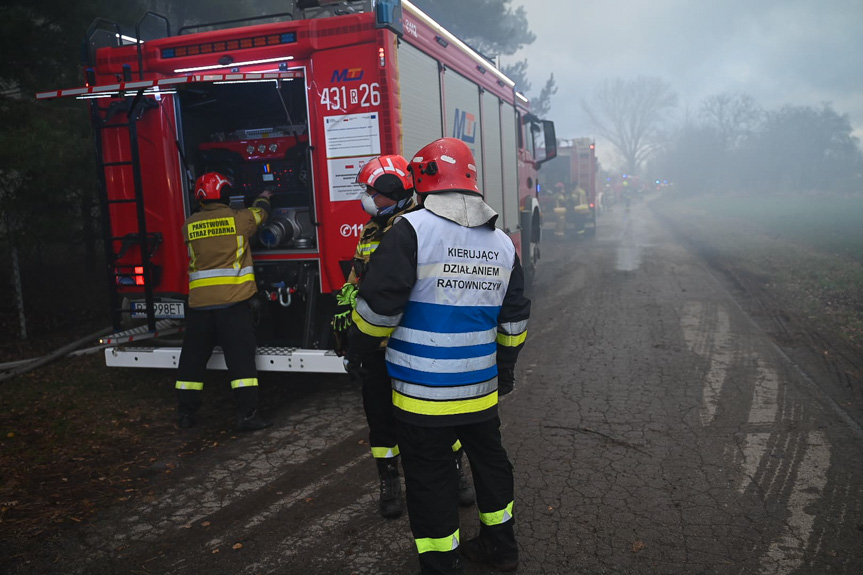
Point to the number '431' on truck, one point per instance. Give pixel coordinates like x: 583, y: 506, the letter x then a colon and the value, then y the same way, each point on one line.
x: 295, y: 103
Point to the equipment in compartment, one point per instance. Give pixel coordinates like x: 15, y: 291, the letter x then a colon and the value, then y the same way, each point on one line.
x: 257, y: 133
x: 287, y: 228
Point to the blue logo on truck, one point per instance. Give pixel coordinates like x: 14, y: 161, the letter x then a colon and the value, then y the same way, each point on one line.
x: 347, y: 75
x: 464, y: 126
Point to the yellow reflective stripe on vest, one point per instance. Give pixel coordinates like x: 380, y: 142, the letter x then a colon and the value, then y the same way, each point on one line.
x: 385, y: 452
x: 511, y: 340
x: 193, y: 257
x: 457, y: 445
x: 258, y: 213
x: 248, y: 382
x: 193, y: 385
x: 241, y: 252
x: 222, y: 281
x: 442, y: 544
x: 456, y: 407
x: 497, y: 517
x: 370, y: 329
x: 367, y: 249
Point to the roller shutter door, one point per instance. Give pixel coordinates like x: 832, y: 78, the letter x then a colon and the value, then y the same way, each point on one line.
x: 509, y: 141
x: 419, y: 82
x: 493, y: 173
x: 462, y: 114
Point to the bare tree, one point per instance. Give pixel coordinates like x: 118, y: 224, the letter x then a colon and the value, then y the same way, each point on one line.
x: 629, y: 114
x: 733, y: 116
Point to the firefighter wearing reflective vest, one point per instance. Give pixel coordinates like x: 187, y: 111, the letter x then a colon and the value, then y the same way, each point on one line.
x: 221, y: 283
x: 447, y: 288
x: 388, y: 194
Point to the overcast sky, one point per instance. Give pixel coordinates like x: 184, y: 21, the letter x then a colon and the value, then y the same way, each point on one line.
x: 798, y: 52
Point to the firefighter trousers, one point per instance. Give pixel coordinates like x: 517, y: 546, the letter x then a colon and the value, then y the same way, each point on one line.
x: 431, y: 482
x: 233, y: 329
x: 378, y: 405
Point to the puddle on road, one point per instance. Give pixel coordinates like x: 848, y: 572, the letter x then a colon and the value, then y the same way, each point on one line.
x: 632, y: 245
x: 628, y: 258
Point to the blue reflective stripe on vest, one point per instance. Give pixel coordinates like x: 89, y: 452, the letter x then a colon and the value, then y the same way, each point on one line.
x: 441, y: 352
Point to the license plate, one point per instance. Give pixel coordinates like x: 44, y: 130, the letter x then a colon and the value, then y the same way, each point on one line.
x: 163, y: 309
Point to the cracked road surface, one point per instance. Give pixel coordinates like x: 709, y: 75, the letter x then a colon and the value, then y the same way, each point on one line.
x: 655, y: 429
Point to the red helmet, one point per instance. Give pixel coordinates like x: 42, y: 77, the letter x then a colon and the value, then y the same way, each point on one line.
x: 389, y: 176
x: 211, y: 186
x: 445, y: 165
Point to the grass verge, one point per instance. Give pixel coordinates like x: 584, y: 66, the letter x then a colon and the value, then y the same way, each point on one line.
x: 805, y: 252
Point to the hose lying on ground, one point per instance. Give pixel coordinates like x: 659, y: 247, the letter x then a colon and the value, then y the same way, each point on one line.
x: 45, y: 359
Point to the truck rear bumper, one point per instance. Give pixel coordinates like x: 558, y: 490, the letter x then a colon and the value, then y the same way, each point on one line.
x: 267, y: 359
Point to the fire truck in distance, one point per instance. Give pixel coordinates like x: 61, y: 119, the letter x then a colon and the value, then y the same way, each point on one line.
x: 293, y: 103
x: 583, y: 176
x: 569, y: 198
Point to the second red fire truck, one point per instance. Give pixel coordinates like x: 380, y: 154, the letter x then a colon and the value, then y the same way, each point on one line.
x: 296, y: 105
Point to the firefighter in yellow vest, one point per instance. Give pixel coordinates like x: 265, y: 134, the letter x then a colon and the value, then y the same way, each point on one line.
x: 563, y: 203
x: 447, y: 289
x: 569, y: 201
x: 221, y: 283
x: 388, y: 195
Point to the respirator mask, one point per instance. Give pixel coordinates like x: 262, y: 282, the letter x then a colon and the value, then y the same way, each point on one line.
x: 371, y: 209
x: 368, y: 201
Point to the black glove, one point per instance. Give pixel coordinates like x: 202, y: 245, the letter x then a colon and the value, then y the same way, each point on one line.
x: 505, y: 379
x: 354, y: 364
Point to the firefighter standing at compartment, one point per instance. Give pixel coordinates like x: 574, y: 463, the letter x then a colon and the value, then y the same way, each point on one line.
x: 388, y: 194
x: 221, y: 283
x: 446, y: 287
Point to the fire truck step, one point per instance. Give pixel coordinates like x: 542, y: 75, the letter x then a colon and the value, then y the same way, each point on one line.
x: 278, y: 359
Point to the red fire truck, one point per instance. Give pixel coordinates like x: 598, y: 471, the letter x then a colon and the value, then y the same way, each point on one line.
x: 583, y: 176
x: 296, y: 104
x: 570, y: 195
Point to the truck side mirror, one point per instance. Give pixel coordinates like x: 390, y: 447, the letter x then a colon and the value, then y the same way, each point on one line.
x: 549, y: 138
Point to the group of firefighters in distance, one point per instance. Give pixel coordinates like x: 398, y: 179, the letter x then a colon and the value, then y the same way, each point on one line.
x: 432, y: 355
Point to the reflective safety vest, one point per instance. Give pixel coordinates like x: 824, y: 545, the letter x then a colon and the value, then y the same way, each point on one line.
x: 442, y: 355
x: 220, y: 258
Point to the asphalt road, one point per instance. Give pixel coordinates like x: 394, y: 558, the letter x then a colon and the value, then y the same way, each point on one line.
x: 655, y: 429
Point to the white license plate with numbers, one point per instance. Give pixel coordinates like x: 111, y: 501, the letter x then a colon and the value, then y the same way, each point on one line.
x: 163, y: 309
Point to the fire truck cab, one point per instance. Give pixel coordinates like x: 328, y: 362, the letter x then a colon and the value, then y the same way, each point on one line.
x: 296, y: 104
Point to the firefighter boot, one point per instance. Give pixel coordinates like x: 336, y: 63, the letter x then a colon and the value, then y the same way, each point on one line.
x: 440, y: 563
x: 188, y: 402
x: 252, y: 422
x: 495, y: 546
x: 391, y: 487
x: 466, y: 494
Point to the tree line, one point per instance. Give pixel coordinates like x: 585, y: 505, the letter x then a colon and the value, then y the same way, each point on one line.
x: 729, y: 144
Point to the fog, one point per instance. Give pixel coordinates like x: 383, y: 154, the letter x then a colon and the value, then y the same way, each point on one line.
x: 781, y: 52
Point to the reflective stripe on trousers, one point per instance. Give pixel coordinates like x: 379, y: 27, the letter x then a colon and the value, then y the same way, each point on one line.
x: 497, y: 517
x: 442, y: 544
